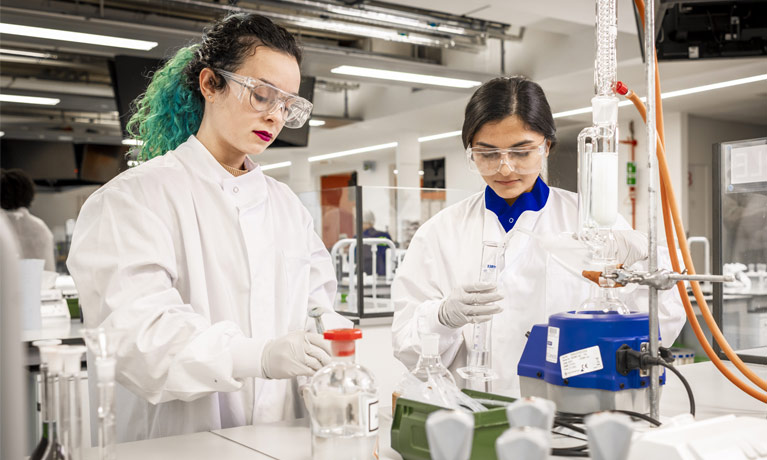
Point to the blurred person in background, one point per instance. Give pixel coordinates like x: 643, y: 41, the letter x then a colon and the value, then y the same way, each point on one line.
x: 35, y: 238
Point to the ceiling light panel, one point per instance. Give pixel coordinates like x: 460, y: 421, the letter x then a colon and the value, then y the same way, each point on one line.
x: 77, y: 37
x: 29, y: 99
x: 345, y: 153
x: 404, y: 76
x: 283, y: 164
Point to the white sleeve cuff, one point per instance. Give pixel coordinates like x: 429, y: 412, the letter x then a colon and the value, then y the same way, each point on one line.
x: 428, y: 315
x: 246, y: 357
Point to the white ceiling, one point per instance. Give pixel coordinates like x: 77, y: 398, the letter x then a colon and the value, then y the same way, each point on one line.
x: 556, y: 51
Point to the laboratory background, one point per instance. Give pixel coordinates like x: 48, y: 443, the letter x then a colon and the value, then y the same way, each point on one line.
x: 667, y: 155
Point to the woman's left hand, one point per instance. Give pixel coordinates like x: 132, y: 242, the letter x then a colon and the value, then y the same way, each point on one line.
x: 632, y: 246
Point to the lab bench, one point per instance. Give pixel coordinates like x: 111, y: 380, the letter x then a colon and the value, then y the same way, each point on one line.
x: 714, y: 395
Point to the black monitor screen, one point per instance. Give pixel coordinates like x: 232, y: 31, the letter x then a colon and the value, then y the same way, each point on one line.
x: 131, y: 76
x: 41, y: 160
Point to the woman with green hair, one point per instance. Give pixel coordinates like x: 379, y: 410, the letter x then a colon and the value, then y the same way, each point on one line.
x: 203, y: 266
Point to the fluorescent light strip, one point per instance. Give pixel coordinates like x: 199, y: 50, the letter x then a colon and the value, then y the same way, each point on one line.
x: 132, y: 142
x: 670, y: 94
x: 25, y: 53
x: 283, y: 164
x: 724, y: 84
x: 29, y: 99
x: 404, y: 76
x: 345, y: 153
x: 78, y: 37
x: 434, y: 137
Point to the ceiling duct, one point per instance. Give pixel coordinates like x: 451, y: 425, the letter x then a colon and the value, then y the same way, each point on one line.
x: 372, y: 20
x: 309, y: 18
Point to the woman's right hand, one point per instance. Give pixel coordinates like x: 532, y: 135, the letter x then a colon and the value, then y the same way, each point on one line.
x: 297, y: 353
x: 471, y: 303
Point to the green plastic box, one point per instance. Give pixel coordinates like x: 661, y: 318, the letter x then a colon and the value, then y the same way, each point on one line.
x: 408, y: 428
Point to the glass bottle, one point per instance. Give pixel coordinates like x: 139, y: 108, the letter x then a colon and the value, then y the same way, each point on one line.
x: 49, y: 447
x: 342, y: 399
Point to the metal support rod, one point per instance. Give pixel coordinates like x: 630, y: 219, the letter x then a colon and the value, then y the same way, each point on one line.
x: 503, y: 57
x: 360, y: 260
x: 652, y: 176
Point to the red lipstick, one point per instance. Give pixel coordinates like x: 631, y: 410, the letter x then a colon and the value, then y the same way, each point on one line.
x: 265, y: 136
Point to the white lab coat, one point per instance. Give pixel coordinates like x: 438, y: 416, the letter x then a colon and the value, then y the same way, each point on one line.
x: 445, y: 253
x: 200, y: 269
x: 35, y: 238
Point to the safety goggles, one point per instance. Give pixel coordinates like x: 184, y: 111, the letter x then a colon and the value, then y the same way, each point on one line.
x: 264, y: 97
x: 488, y: 161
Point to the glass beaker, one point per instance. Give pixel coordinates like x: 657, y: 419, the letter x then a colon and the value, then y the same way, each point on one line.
x: 478, y: 346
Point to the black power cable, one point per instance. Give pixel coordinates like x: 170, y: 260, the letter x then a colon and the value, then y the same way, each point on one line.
x: 639, y: 415
x: 628, y: 359
x: 684, y: 382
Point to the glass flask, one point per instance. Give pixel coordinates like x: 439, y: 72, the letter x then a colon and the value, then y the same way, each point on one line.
x: 342, y: 399
x: 429, y: 369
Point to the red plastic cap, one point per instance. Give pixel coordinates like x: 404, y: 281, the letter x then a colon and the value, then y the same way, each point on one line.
x: 621, y: 88
x: 343, y: 334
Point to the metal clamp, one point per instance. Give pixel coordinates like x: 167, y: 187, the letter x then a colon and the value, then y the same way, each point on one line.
x: 661, y: 279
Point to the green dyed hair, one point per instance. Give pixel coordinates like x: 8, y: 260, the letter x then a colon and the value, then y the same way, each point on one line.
x: 169, y: 111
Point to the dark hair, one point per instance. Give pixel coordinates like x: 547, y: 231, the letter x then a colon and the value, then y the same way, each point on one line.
x: 505, y: 96
x: 171, y: 108
x: 16, y: 189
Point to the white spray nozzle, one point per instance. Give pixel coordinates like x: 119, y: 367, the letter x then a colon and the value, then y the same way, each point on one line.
x: 450, y: 435
x: 522, y: 442
x: 532, y: 411
x: 609, y: 435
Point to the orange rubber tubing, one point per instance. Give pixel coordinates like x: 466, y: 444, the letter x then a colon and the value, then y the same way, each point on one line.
x: 670, y: 202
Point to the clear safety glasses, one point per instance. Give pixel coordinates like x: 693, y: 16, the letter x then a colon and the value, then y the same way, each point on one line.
x: 264, y: 97
x: 489, y: 161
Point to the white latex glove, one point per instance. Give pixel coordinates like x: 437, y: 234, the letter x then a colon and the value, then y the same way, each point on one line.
x: 632, y: 246
x: 472, y: 303
x: 297, y: 353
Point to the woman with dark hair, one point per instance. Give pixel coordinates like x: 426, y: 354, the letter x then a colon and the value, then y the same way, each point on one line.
x: 35, y: 238
x: 204, y: 266
x: 508, y: 131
